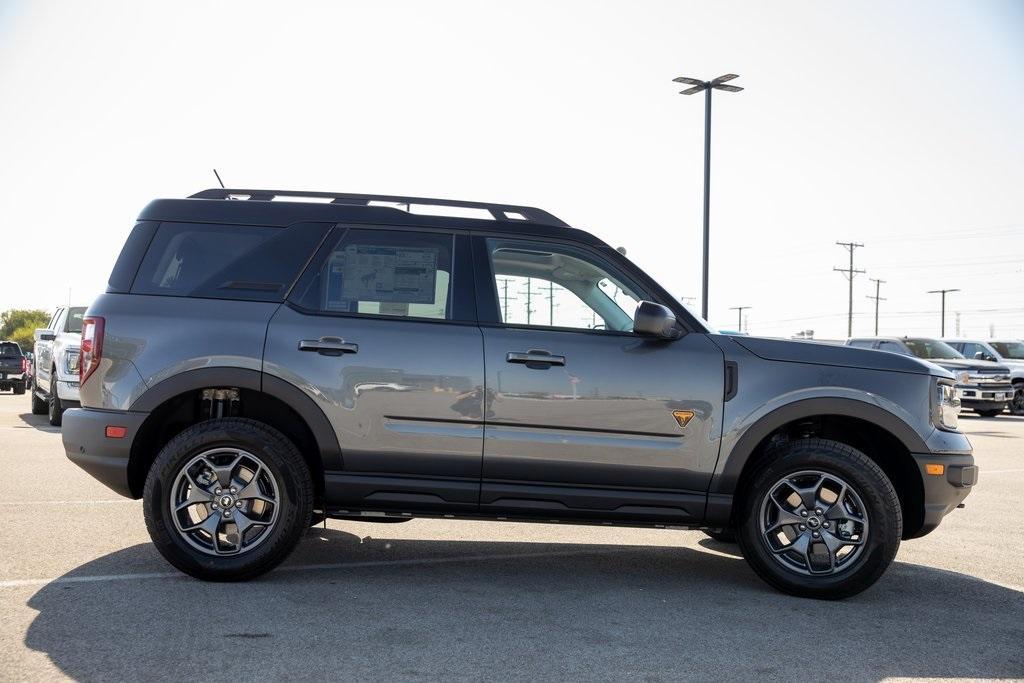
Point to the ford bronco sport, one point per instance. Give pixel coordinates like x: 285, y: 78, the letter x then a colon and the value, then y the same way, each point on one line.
x: 258, y: 364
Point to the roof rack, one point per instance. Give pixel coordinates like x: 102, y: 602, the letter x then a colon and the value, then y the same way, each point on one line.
x: 508, y: 213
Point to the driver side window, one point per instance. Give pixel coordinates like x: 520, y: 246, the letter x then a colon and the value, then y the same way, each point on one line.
x: 544, y: 285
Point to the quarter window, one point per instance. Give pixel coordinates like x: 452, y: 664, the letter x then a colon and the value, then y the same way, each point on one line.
x: 544, y: 285
x: 383, y: 272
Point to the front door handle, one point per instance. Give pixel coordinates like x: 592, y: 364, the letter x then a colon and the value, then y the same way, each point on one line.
x: 534, y: 356
x: 328, y: 346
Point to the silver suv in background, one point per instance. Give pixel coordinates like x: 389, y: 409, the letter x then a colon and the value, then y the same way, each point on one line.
x: 1008, y: 352
x: 57, y: 347
x: 981, y: 385
x: 256, y: 365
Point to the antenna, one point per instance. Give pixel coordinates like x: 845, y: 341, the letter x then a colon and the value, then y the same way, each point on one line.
x: 218, y: 178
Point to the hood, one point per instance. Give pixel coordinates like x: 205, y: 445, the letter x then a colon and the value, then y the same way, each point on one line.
x: 796, y: 351
x: 985, y: 366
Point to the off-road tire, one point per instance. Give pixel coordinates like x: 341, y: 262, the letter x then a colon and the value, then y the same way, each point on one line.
x: 874, y: 488
x: 288, y: 469
x: 19, y: 388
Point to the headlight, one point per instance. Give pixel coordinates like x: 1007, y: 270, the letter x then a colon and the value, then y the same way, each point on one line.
x: 963, y: 377
x: 947, y: 407
x: 71, y: 362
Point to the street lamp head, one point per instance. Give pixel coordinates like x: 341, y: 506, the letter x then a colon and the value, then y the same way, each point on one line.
x: 727, y: 88
x: 723, y: 79
x: 694, y: 90
x: 688, y: 81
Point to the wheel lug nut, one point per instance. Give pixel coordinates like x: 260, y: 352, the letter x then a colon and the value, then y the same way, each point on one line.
x: 217, y: 491
x: 234, y: 490
x: 825, y: 524
x: 804, y: 513
x: 817, y: 511
x: 239, y: 504
x: 214, y: 506
x: 815, y: 534
x: 227, y: 513
x: 803, y: 528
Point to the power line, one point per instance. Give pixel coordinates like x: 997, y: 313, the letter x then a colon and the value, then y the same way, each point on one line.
x: 849, y: 273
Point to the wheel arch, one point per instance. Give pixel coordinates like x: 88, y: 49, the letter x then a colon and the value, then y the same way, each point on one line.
x: 884, y: 437
x: 173, y: 404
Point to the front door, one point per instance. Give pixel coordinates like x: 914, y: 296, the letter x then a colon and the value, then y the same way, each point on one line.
x: 379, y: 334
x: 584, y: 417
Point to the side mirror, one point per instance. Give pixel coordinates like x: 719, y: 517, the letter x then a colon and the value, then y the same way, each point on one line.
x: 655, y: 320
x: 980, y: 355
x: 45, y: 335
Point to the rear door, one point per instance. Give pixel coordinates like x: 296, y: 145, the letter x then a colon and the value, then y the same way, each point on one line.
x: 583, y: 417
x: 381, y: 333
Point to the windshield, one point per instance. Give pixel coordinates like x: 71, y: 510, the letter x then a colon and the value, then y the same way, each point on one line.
x: 1013, y: 350
x: 10, y: 350
x: 932, y: 349
x: 75, y: 316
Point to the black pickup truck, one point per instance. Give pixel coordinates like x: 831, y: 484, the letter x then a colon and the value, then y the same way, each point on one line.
x: 12, y: 367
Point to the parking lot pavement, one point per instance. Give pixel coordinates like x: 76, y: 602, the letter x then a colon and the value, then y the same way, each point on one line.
x: 84, y: 595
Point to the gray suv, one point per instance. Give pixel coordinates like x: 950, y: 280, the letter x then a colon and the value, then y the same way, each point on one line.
x: 256, y: 365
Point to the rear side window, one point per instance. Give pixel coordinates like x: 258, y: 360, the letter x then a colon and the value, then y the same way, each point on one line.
x: 74, y: 319
x: 10, y: 350
x: 383, y: 272
x: 247, y: 262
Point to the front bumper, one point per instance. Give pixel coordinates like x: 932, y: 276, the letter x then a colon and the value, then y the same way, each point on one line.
x: 87, y: 445
x: 944, y: 492
x: 981, y: 394
x: 67, y: 391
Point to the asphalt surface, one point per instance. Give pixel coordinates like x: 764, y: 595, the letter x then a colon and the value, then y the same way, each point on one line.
x: 84, y: 595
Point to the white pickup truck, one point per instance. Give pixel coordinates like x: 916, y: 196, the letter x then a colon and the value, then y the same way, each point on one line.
x: 55, y: 383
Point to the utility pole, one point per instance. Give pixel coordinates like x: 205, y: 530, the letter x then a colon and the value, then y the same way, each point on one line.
x: 707, y: 86
x: 739, y: 316
x: 877, y: 298
x: 943, y: 292
x: 551, y: 303
x: 505, y: 298
x: 850, y: 273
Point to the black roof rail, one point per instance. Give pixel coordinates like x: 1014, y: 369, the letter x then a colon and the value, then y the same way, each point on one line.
x: 509, y: 213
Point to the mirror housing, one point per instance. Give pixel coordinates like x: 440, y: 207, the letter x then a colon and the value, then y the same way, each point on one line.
x: 43, y: 334
x: 655, y: 320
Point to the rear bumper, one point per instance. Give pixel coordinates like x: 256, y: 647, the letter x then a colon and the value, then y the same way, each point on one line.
x: 10, y: 378
x: 944, y: 492
x: 86, y: 444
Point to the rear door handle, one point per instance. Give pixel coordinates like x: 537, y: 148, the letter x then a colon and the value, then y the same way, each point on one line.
x: 534, y: 356
x: 328, y: 346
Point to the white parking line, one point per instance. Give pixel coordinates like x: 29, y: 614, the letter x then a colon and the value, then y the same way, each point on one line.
x: 68, y: 502
x: 16, y: 583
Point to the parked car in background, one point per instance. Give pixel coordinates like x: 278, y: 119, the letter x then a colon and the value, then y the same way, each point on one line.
x: 29, y: 367
x: 12, y: 367
x: 55, y: 382
x: 981, y: 385
x: 255, y: 365
x: 1008, y: 352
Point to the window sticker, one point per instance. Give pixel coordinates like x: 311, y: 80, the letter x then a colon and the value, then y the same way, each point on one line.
x: 387, y: 275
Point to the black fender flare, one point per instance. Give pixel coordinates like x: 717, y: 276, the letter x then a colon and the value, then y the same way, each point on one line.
x: 244, y: 378
x: 725, y: 481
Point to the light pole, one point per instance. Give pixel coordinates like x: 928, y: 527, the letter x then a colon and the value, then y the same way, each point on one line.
x: 943, y: 292
x: 707, y: 87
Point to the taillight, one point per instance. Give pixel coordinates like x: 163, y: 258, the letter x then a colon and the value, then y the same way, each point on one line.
x: 92, y: 348
x: 24, y: 364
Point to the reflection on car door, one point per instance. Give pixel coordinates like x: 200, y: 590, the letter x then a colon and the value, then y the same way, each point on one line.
x: 591, y: 420
x: 376, y: 334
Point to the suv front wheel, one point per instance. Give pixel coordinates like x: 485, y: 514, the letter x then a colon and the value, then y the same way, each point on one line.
x: 820, y: 520
x: 228, y: 499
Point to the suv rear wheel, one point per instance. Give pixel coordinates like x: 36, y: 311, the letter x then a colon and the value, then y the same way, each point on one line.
x: 228, y: 499
x: 1017, y: 402
x: 820, y: 520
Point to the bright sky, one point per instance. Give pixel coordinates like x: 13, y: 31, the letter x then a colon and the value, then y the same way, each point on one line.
x: 897, y: 125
